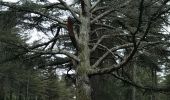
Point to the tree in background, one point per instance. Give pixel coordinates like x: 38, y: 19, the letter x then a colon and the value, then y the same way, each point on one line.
x: 19, y: 79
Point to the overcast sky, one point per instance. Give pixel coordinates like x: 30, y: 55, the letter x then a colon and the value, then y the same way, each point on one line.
x: 35, y: 35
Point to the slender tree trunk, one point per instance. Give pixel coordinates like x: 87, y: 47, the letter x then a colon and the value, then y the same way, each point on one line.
x: 11, y: 93
x: 27, y: 89
x: 134, y: 79
x: 83, y: 89
x: 36, y: 97
x: 154, y: 82
x: 19, y: 93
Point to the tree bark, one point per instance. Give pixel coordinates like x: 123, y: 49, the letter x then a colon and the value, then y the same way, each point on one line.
x: 83, y: 89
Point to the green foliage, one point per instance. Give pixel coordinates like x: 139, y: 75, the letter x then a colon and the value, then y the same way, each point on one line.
x: 18, y: 75
x: 22, y: 77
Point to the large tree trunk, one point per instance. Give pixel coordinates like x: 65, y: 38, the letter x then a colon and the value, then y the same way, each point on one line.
x: 83, y: 89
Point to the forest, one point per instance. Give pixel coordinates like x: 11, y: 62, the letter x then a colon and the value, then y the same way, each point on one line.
x: 84, y: 50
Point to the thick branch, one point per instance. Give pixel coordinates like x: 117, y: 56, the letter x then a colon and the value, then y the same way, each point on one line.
x: 137, y: 85
x: 103, y: 37
x: 58, y: 52
x: 56, y: 62
x: 125, y: 61
x: 112, y: 50
x: 130, y: 56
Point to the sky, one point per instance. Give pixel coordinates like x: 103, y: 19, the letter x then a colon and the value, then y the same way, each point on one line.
x: 37, y: 35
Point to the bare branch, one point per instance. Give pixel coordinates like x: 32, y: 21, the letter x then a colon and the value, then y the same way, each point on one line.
x: 115, y: 67
x: 95, y: 46
x: 44, y: 44
x: 106, y: 48
x: 103, y: 37
x: 93, y: 6
x: 112, y: 50
x: 58, y: 52
x: 104, y: 25
x: 99, y: 8
x: 57, y: 61
x: 60, y: 6
x: 139, y: 86
x: 21, y: 8
x: 130, y: 56
x: 102, y: 15
x: 109, y: 11
x: 70, y: 9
